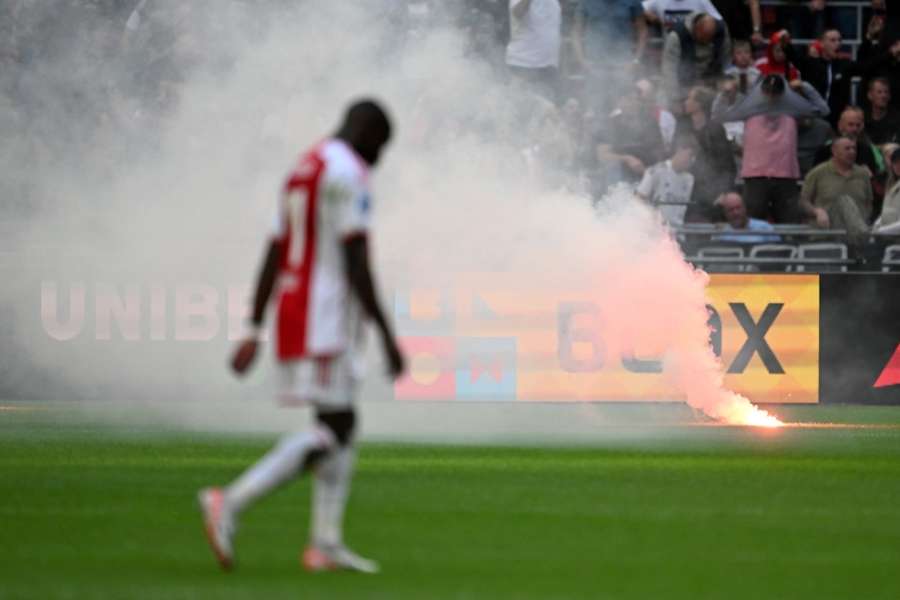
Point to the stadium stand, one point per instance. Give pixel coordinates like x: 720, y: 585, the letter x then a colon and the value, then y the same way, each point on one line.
x: 776, y: 251
x: 827, y: 250
x: 560, y: 148
x: 723, y: 258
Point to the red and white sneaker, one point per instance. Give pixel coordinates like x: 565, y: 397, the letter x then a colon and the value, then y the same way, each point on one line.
x: 219, y: 525
x: 316, y: 558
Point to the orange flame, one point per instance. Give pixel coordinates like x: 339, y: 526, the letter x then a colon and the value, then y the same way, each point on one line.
x: 759, y: 418
x: 741, y: 411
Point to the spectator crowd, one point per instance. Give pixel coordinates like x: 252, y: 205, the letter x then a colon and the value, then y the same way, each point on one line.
x: 723, y: 118
x: 707, y: 109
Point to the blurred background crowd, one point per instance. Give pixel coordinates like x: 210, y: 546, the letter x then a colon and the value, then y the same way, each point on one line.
x: 747, y: 113
x: 743, y: 112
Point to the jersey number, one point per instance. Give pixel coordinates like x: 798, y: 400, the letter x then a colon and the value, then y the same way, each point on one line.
x: 297, y: 200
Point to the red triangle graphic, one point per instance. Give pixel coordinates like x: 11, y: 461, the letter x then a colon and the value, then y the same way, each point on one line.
x: 891, y: 373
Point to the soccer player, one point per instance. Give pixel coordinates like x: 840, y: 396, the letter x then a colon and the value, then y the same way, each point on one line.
x: 318, y: 263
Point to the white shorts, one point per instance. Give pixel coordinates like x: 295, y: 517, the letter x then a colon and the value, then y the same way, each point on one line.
x: 328, y: 384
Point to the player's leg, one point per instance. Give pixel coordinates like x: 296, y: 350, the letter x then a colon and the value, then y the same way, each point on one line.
x: 332, y: 476
x: 331, y: 487
x: 284, y: 462
x: 288, y: 459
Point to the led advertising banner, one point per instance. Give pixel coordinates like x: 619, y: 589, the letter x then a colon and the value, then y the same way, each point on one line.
x: 860, y: 353
x: 781, y: 338
x: 479, y: 343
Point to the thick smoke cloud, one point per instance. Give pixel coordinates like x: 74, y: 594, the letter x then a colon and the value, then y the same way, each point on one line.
x: 151, y: 181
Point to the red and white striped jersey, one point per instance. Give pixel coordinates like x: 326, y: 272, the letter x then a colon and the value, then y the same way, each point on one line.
x: 324, y: 201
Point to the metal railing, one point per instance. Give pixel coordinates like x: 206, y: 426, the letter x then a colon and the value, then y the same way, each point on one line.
x: 859, y: 7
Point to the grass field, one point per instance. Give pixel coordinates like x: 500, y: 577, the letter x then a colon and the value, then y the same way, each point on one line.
x: 89, y: 511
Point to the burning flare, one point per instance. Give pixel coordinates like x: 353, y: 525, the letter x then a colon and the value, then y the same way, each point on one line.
x: 697, y: 371
x: 740, y: 411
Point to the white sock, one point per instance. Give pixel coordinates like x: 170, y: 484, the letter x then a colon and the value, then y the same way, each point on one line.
x: 330, y: 491
x: 282, y: 463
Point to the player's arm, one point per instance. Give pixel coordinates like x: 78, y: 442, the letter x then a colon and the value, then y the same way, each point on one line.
x: 265, y: 283
x: 356, y: 265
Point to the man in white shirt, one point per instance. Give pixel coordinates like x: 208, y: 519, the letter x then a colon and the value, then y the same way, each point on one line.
x: 668, y: 185
x: 668, y: 13
x: 534, y: 43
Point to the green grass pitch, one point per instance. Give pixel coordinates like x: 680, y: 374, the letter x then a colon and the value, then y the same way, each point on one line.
x: 88, y: 511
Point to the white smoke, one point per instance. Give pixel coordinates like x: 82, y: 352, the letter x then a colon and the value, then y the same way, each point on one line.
x: 182, y: 219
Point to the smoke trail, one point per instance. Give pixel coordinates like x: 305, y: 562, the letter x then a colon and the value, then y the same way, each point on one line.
x: 182, y: 197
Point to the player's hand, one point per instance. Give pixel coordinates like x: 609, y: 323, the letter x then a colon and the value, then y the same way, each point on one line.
x: 396, y: 362
x: 244, y: 356
x: 757, y: 39
x: 822, y: 219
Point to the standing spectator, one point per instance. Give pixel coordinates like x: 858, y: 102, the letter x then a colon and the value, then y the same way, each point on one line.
x: 880, y: 53
x: 743, y: 19
x: 727, y: 98
x: 668, y: 13
x: 714, y: 169
x: 630, y: 141
x: 889, y: 220
x: 838, y: 194
x: 812, y: 20
x: 889, y: 14
x: 775, y: 62
x: 742, y: 67
x: 812, y: 134
x: 533, y: 50
x: 646, y: 93
x: 882, y: 123
x: 609, y: 30
x: 740, y: 77
x: 668, y: 185
x: 770, y: 168
x: 829, y: 73
x: 737, y: 219
x: 851, y: 126
x: 607, y: 36
x: 891, y: 19
x: 551, y: 154
x: 695, y: 52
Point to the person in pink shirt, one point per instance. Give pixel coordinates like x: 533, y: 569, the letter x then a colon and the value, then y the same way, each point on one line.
x: 770, y: 168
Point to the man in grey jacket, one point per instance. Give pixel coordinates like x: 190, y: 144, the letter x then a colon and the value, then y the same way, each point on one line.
x: 770, y: 168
